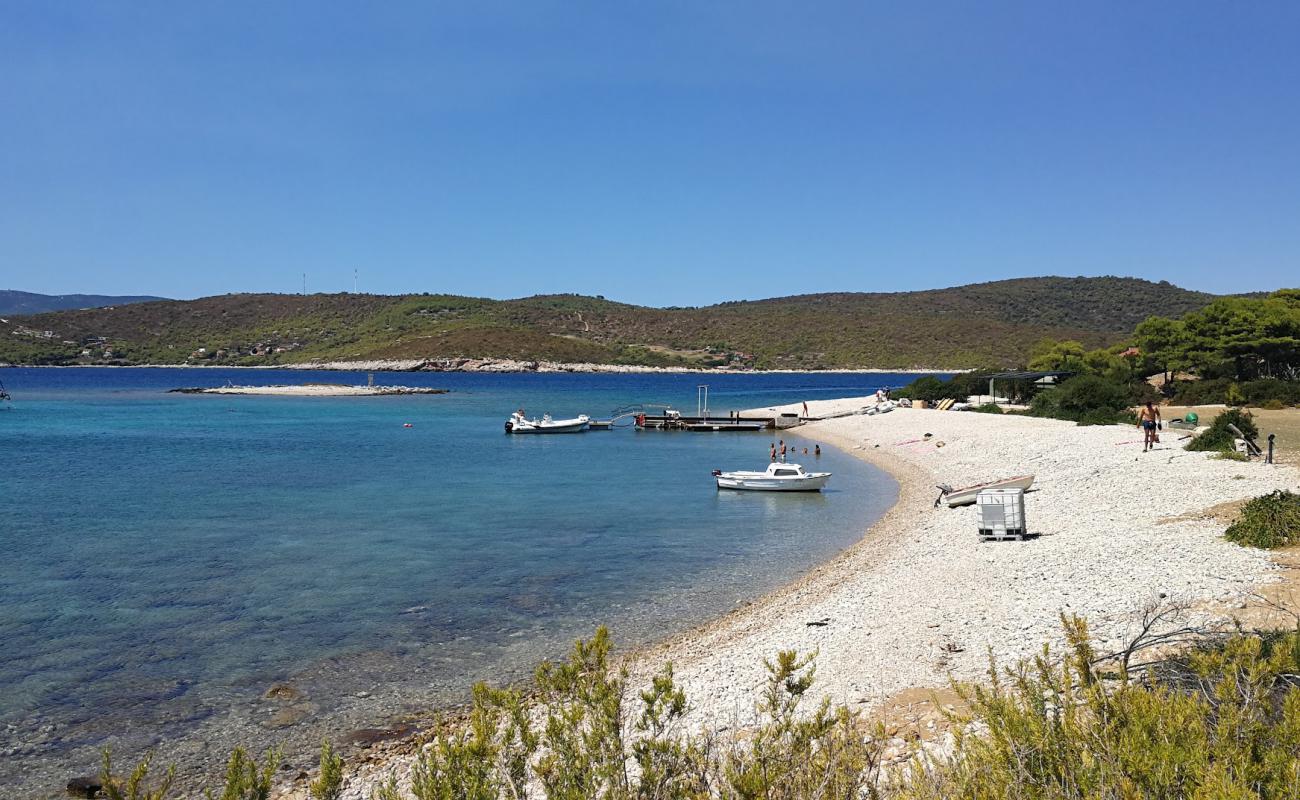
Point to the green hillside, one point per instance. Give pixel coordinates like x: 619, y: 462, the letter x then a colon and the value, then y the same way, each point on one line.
x: 988, y: 324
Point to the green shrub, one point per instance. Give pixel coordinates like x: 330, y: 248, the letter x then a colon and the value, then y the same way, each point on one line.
x: 1221, y: 390
x: 1219, y: 722
x: 1231, y: 455
x: 329, y: 784
x: 1218, y: 437
x: 1272, y: 390
x: 585, y: 743
x: 135, y: 786
x: 1272, y: 520
x: 1087, y: 400
x: 987, y: 408
x: 927, y: 387
x: 1200, y: 393
x: 246, y: 779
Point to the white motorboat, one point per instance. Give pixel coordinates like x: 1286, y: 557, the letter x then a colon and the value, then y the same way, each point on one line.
x: 779, y: 477
x: 967, y: 494
x: 519, y: 424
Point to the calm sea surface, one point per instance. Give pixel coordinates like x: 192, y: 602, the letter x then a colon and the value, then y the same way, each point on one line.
x: 165, y: 559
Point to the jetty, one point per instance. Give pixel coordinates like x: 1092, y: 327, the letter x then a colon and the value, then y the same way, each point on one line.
x: 663, y: 417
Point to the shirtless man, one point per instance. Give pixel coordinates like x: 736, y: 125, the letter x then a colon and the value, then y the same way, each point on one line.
x: 1149, y: 422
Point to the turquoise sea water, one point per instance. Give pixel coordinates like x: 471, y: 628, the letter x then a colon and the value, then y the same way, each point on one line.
x: 166, y: 558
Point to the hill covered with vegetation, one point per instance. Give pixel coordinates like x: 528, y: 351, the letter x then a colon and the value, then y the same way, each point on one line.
x: 980, y: 325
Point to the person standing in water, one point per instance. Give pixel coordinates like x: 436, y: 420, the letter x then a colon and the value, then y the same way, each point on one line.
x: 1149, y: 422
x: 783, y: 451
x: 817, y: 451
x: 773, y: 451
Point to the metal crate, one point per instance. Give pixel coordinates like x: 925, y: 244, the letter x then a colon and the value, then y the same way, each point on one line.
x: 1002, y: 514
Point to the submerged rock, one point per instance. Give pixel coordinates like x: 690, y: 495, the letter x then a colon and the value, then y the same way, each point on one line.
x: 287, y: 717
x: 85, y: 787
x: 365, y: 737
x: 284, y: 691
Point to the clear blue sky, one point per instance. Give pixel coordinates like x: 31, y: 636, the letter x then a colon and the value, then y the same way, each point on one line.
x: 659, y: 153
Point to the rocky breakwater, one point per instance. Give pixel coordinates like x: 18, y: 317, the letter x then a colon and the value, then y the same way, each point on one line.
x: 313, y: 390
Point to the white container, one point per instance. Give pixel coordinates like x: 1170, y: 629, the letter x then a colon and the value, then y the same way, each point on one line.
x: 1002, y: 514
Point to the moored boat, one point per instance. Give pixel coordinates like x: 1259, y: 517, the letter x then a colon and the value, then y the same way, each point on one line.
x: 520, y: 424
x: 967, y: 494
x: 779, y: 477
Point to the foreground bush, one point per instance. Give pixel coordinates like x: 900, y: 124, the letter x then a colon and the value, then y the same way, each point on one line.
x: 1218, y: 437
x: 1221, y: 722
x: 588, y: 744
x: 1269, y: 521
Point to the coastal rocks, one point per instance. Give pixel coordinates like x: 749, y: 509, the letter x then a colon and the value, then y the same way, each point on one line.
x: 288, y: 716
x: 85, y: 787
x: 295, y: 710
x: 366, y: 737
x: 286, y: 692
x: 312, y: 390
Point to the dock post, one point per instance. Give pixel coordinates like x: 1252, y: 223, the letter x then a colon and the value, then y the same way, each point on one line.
x: 1271, y: 437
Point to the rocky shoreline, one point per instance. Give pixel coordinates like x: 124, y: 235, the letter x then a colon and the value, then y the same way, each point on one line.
x: 312, y: 390
x: 503, y: 365
x: 513, y: 365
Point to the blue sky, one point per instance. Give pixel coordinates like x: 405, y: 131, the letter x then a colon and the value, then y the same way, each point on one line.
x: 659, y: 153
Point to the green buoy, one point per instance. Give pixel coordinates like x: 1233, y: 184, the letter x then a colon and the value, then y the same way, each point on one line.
x: 1191, y: 417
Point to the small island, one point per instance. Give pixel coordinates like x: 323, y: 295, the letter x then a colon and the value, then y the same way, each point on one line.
x: 312, y: 390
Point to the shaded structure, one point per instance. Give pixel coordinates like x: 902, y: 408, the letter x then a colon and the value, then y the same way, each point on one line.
x: 1042, y: 379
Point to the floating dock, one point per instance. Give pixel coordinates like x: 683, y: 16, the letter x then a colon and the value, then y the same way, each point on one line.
x: 701, y: 424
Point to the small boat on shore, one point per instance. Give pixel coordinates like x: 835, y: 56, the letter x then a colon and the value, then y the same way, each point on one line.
x: 967, y: 494
x: 519, y: 424
x: 778, y: 477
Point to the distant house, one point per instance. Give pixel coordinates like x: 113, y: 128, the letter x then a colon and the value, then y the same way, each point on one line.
x: 1132, y: 352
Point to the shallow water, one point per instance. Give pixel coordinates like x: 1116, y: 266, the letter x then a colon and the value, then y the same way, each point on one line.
x: 166, y: 558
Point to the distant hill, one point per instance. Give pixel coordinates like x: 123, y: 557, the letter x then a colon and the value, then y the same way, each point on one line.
x: 986, y: 324
x: 15, y: 302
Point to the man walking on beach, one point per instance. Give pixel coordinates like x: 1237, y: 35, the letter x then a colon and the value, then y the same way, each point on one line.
x: 1149, y: 422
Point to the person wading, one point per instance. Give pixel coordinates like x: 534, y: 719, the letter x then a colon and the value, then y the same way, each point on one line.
x: 1149, y: 422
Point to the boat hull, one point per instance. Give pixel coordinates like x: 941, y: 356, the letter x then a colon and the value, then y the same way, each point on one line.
x: 810, y: 483
x: 576, y: 427
x: 967, y: 495
x: 517, y: 424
